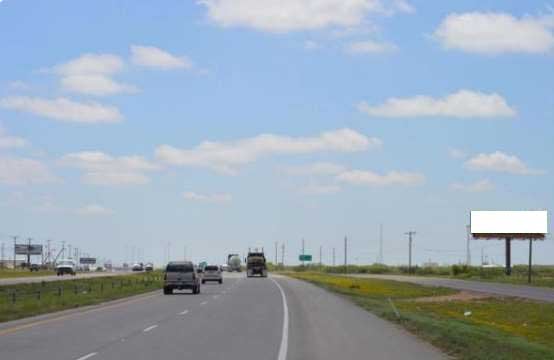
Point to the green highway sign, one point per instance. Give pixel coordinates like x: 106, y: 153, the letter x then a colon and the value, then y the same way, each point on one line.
x: 305, y: 258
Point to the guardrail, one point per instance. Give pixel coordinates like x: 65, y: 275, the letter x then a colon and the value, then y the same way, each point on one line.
x: 12, y: 295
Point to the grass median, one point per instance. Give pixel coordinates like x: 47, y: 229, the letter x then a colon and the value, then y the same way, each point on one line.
x: 462, y: 325
x: 24, y: 300
x: 10, y: 273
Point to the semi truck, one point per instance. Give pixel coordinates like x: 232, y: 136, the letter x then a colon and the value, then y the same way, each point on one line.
x: 233, y: 261
x: 256, y: 264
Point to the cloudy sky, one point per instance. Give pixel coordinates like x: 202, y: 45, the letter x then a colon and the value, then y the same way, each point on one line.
x: 226, y: 124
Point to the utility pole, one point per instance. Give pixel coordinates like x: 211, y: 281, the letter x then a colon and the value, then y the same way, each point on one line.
x: 410, y: 235
x: 303, y: 248
x: 48, y: 250
x: 283, y: 254
x: 320, y: 254
x: 63, y: 249
x: 29, y: 252
x: 334, y: 262
x: 380, y: 243
x: 2, y: 249
x: 468, y: 251
x: 345, y: 255
x: 276, y: 252
x: 14, y: 252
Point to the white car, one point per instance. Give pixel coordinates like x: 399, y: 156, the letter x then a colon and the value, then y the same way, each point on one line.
x: 66, y: 267
x: 212, y: 273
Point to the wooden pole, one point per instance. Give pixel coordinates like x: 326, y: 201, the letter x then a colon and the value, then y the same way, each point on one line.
x: 530, y: 260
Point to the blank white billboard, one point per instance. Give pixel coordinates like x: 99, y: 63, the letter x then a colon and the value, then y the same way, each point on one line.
x: 509, y: 222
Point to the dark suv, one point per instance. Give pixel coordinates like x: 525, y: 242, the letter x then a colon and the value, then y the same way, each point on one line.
x: 181, y: 275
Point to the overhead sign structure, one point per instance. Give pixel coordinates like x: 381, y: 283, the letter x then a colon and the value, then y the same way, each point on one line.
x: 509, y: 224
x: 24, y: 249
x: 305, y: 257
x: 87, y: 261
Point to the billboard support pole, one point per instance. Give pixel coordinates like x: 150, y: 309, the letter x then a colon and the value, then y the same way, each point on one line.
x: 530, y: 260
x: 508, y: 256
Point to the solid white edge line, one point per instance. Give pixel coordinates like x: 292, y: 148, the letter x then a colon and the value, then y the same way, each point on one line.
x: 88, y: 356
x: 184, y: 312
x: 283, y: 348
x: 150, y: 328
x: 203, y: 303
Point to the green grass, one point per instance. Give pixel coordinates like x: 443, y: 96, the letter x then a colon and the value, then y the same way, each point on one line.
x: 497, y: 329
x: 9, y: 273
x: 39, y: 298
x: 542, y: 275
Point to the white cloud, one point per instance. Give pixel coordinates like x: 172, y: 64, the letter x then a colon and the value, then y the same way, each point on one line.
x: 500, y: 162
x: 494, y: 33
x: 101, y: 64
x: 94, y: 209
x: 211, y: 198
x: 10, y: 142
x: 63, y: 109
x: 370, y: 47
x: 368, y: 178
x: 90, y: 74
x: 478, y: 186
x: 292, y: 15
x: 311, y: 45
x: 23, y: 171
x: 462, y: 104
x: 19, y: 85
x: 227, y: 156
x: 98, y: 85
x: 151, y: 56
x: 456, y: 153
x: 318, y: 189
x: 103, y: 169
x: 319, y: 168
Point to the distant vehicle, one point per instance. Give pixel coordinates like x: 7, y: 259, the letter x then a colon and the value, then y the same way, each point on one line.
x: 34, y: 267
x: 233, y: 261
x: 66, y: 267
x: 149, y: 267
x: 225, y: 267
x: 137, y: 267
x: 212, y: 273
x: 181, y: 275
x: 100, y: 268
x: 256, y: 264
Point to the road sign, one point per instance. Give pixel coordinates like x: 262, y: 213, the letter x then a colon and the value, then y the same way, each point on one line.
x: 87, y: 260
x: 23, y: 249
x: 305, y: 257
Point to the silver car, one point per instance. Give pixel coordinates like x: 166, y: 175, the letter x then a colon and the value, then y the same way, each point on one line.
x: 181, y: 275
x: 212, y: 273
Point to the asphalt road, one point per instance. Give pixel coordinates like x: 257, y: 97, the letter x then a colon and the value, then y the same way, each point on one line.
x: 37, y: 279
x: 527, y: 292
x: 274, y: 318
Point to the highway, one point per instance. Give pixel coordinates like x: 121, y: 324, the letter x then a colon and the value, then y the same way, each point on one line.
x: 521, y: 291
x: 273, y: 318
x: 37, y: 279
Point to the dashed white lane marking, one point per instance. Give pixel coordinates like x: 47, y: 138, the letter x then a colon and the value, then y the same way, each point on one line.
x: 88, y: 356
x: 184, y: 312
x: 203, y: 303
x: 150, y: 328
x: 283, y: 348
x: 216, y: 296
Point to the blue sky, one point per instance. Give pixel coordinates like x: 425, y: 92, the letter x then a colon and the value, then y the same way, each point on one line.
x: 221, y: 125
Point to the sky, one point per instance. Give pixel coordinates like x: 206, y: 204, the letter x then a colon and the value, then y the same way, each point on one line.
x: 134, y: 129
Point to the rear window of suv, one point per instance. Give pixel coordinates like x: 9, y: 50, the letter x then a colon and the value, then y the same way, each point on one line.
x: 212, y: 268
x: 179, y: 268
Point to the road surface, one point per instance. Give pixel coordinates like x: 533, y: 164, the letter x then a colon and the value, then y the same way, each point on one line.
x: 37, y: 279
x: 274, y: 318
x: 522, y: 291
